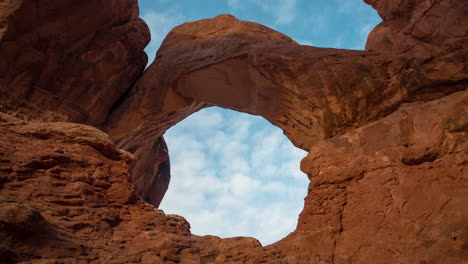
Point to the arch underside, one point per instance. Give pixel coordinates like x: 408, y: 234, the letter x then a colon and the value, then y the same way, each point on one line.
x: 310, y: 93
x: 385, y: 128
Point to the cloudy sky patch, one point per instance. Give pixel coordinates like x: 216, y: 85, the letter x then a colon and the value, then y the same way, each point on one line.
x: 239, y: 175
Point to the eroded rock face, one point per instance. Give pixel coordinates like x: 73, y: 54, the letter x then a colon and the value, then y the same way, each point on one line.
x: 64, y: 60
x: 311, y: 93
x: 385, y: 128
x: 66, y: 197
x: 422, y: 28
x: 400, y: 198
x: 401, y: 195
x: 69, y: 60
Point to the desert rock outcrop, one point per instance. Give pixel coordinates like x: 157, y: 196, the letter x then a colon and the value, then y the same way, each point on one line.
x: 311, y: 93
x: 69, y: 60
x: 385, y: 129
x: 66, y: 197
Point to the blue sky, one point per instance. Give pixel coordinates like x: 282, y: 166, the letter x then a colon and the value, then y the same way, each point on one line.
x: 235, y: 174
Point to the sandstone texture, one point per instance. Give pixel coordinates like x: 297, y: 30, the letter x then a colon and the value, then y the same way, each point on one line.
x: 401, y: 196
x: 66, y: 197
x: 385, y: 129
x: 311, y: 93
x: 69, y: 60
x: 65, y: 60
x: 422, y: 28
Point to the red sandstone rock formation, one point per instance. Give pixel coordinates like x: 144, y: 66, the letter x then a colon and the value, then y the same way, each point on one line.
x: 385, y: 128
x: 422, y: 28
x: 66, y: 197
x: 311, y: 93
x: 63, y: 60
x: 75, y: 58
x: 401, y: 195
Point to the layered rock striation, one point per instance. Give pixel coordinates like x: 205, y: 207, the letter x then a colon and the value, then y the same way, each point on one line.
x: 385, y: 129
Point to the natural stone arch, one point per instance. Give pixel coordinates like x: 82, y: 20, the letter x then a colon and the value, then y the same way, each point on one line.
x: 338, y: 225
x: 250, y: 68
x: 310, y: 93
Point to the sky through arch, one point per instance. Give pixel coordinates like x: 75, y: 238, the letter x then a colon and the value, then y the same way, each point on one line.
x: 234, y: 174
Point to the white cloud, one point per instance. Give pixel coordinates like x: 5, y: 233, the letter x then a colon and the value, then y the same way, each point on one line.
x: 243, y: 186
x: 236, y: 176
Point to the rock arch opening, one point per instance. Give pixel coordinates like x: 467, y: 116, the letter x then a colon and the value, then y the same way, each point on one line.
x: 310, y: 93
x: 390, y: 114
x: 234, y: 174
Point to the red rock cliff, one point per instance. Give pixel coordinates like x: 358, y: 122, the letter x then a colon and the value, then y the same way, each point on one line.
x: 69, y: 60
x: 311, y: 93
x: 385, y: 128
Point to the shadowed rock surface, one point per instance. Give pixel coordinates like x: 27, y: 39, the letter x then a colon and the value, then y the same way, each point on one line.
x: 69, y: 60
x: 385, y: 128
x: 64, y: 60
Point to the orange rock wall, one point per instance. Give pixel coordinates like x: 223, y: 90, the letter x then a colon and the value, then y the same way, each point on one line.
x: 311, y: 93
x: 385, y: 128
x: 66, y: 197
x: 69, y: 60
